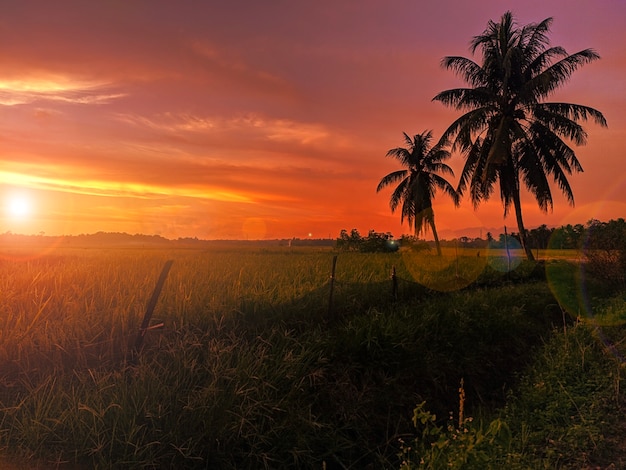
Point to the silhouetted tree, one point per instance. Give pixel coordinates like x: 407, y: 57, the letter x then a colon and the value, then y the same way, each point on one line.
x: 351, y: 241
x: 419, y: 181
x: 508, y: 133
x: 605, y: 251
x: 540, y: 236
x: 373, y: 243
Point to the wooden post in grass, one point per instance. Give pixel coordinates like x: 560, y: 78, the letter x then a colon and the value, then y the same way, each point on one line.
x: 145, y: 324
x: 456, y: 253
x: 508, y: 253
x: 332, y: 286
x: 394, y: 283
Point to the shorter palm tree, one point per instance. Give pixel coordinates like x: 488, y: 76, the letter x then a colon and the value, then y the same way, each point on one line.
x: 418, y: 182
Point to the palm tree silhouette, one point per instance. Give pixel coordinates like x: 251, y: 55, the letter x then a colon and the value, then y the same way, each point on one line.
x: 419, y: 182
x: 508, y: 133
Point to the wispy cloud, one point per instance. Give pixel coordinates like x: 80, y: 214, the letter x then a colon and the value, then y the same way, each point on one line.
x: 27, y: 90
x: 246, y: 125
x: 124, y: 189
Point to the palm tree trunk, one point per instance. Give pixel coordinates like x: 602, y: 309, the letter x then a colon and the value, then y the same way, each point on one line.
x: 434, y: 229
x: 520, y: 226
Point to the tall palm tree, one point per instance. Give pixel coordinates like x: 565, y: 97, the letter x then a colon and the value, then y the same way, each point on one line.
x: 418, y: 182
x: 508, y: 132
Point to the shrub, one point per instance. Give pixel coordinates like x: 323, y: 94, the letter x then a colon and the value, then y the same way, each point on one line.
x: 605, y: 252
x: 375, y: 242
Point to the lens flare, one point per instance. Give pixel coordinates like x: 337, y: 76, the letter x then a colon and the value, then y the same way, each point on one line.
x: 570, y: 244
x: 455, y: 269
x: 503, y: 257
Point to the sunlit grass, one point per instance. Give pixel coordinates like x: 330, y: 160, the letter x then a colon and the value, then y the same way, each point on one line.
x: 254, y: 366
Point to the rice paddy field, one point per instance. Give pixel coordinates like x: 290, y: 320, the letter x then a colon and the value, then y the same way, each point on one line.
x: 285, y: 357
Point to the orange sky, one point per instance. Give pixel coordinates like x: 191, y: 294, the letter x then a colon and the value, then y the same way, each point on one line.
x: 251, y: 119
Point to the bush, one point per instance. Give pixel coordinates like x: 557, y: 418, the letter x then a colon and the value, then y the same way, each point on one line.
x: 605, y: 253
x: 375, y: 242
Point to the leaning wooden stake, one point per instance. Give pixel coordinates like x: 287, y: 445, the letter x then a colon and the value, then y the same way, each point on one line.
x: 145, y: 324
x: 332, y: 286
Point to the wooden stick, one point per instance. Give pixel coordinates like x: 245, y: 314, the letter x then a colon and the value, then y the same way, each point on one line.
x: 151, y: 304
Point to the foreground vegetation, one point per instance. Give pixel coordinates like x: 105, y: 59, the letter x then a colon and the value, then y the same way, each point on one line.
x: 258, y: 367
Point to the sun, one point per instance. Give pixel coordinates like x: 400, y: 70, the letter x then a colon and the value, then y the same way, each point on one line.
x: 18, y: 206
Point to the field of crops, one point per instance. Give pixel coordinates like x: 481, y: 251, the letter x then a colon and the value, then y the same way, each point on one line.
x: 265, y: 357
x: 86, y: 300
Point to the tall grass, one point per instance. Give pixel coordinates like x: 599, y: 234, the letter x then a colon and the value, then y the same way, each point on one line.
x: 251, y: 370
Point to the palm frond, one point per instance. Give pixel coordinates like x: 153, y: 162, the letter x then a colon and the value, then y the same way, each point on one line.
x: 466, y: 68
x: 466, y: 98
x: 401, y: 154
x: 533, y: 170
x: 560, y: 124
x: 574, y: 112
x: 535, y: 39
x: 445, y: 186
x: 408, y: 141
x: 391, y: 178
x: 398, y: 195
x: 539, y: 63
x: 554, y: 76
x: 553, y: 151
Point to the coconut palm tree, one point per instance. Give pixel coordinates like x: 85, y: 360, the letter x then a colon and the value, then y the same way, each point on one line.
x: 418, y: 182
x: 509, y: 133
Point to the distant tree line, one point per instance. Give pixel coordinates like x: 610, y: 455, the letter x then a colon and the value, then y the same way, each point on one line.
x: 594, y: 235
x: 609, y: 237
x: 112, y: 239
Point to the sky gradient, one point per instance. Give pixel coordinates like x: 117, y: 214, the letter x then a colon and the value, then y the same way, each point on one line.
x: 250, y: 119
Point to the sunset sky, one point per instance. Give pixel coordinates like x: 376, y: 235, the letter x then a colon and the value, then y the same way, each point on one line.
x: 249, y: 119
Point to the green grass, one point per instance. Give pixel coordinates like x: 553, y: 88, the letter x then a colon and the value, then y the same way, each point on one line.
x: 561, y: 415
x: 254, y: 368
x: 563, y: 412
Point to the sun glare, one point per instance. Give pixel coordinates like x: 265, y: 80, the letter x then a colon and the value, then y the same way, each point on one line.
x: 18, y: 206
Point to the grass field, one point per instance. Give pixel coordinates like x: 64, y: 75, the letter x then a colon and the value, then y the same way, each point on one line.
x: 256, y: 364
